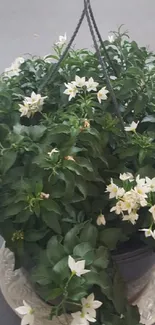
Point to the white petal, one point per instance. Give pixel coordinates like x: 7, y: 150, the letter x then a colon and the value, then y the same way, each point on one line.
x: 27, y: 320
x: 90, y: 319
x: 83, y: 301
x: 96, y: 304
x: 84, y: 271
x: 90, y: 298
x: 71, y: 263
x: 80, y: 266
x: 22, y: 310
x: 26, y: 304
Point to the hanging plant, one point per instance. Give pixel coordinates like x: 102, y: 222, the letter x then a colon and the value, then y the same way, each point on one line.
x: 77, y: 171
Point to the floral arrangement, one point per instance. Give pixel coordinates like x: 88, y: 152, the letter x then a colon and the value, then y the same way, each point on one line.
x: 75, y: 186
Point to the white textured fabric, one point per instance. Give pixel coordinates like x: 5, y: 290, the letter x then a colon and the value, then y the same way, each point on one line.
x: 16, y: 287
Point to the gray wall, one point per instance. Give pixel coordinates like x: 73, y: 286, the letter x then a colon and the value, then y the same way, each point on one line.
x: 32, y: 26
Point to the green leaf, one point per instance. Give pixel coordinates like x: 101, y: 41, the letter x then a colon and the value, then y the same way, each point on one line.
x: 82, y: 249
x: 51, y: 206
x: 82, y: 186
x: 36, y: 132
x: 7, y: 160
x: 13, y: 210
x: 102, y: 280
x: 72, y: 166
x: 77, y: 294
x: 42, y: 275
x: 61, y: 268
x: 142, y: 155
x: 101, y: 258
x: 119, y: 294
x: 23, y: 216
x: 58, y: 129
x: 129, y: 152
x: 132, y: 315
x: 71, y: 239
x: 84, y: 162
x: 69, y: 179
x: 111, y: 236
x: 38, y: 187
x: 4, y: 131
x: 89, y: 234
x: 107, y: 288
x: 52, y: 221
x: 55, y: 251
x: 35, y: 235
x: 55, y: 293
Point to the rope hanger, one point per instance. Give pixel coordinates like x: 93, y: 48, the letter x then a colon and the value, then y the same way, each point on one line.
x: 88, y: 12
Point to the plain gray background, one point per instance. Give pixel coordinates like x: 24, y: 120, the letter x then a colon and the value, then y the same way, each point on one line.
x: 31, y: 26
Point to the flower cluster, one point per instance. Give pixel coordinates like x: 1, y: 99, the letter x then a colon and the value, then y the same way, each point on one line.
x: 79, y: 84
x: 31, y: 105
x: 89, y: 305
x: 131, y: 197
x: 14, y: 69
x: 88, y: 312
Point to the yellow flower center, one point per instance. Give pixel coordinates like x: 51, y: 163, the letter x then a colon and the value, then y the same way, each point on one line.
x: 31, y: 311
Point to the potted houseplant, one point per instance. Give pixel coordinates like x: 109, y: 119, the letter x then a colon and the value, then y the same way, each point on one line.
x: 77, y: 191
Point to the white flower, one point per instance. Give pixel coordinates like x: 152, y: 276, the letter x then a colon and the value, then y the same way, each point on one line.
x: 132, y: 217
x: 101, y: 220
x: 112, y: 189
x: 44, y: 195
x: 79, y: 318
x: 102, y: 94
x: 71, y: 90
x: 113, y: 77
x: 24, y: 110
x: 32, y: 104
x: 14, y: 69
x: 88, y: 313
x: 148, y: 232
x: 111, y: 38
x: 27, y: 312
x: 117, y: 208
x: 79, y: 82
x: 62, y: 40
x: 126, y: 176
x: 132, y: 127
x: 120, y: 192
x: 77, y: 268
x: 140, y: 181
x: 55, y: 150
x: 35, y: 100
x: 152, y: 210
x: 89, y: 305
x: 151, y: 184
x: 91, y: 85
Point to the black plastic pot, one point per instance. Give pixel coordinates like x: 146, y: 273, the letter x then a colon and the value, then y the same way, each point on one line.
x: 136, y: 268
x: 134, y: 264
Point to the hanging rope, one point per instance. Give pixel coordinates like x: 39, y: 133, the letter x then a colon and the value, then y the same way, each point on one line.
x: 103, y: 65
x: 52, y: 71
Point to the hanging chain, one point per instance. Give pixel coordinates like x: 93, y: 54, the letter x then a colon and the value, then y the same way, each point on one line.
x: 52, y: 71
x: 100, y: 38
x: 102, y: 63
